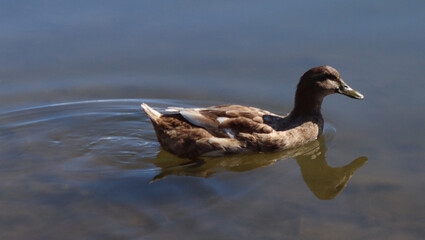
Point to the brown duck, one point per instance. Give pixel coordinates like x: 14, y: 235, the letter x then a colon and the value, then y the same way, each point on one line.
x: 226, y: 129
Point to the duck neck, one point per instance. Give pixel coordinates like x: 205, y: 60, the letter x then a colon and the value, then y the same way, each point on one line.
x: 307, y: 103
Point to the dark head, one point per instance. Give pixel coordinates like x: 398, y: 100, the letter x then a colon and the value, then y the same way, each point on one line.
x: 325, y: 80
x: 317, y: 83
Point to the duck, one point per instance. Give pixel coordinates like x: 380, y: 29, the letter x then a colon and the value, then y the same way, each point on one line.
x: 234, y: 129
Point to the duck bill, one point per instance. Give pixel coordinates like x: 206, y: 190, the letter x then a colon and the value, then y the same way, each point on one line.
x: 348, y: 91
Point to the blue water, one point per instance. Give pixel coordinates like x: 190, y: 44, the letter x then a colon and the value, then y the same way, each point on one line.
x: 77, y: 154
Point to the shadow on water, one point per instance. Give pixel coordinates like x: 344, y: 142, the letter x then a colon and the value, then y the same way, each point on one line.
x: 324, y: 181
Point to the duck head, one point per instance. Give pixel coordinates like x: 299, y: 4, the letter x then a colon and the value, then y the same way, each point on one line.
x: 325, y: 80
x: 317, y: 83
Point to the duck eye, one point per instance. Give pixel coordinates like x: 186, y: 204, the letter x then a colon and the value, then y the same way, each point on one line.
x: 325, y: 77
x: 330, y: 76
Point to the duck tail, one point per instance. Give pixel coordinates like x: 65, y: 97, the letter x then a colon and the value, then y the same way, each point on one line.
x: 152, y: 114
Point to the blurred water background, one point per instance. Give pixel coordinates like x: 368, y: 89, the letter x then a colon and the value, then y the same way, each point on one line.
x: 77, y: 154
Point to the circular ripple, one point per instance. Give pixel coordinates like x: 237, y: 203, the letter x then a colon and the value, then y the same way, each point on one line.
x: 105, y: 133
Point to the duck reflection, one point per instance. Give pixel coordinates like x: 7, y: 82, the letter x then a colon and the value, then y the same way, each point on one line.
x: 324, y: 181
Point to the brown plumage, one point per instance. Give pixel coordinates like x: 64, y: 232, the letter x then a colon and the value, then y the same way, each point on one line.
x: 219, y: 130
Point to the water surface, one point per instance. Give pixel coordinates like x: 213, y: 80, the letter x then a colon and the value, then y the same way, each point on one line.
x: 79, y: 160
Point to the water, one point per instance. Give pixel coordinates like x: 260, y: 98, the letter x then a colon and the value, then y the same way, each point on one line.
x: 79, y: 160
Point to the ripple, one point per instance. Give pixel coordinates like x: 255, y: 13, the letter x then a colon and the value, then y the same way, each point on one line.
x: 114, y: 130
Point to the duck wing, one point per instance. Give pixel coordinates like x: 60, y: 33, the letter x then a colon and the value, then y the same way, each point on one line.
x: 232, y: 119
